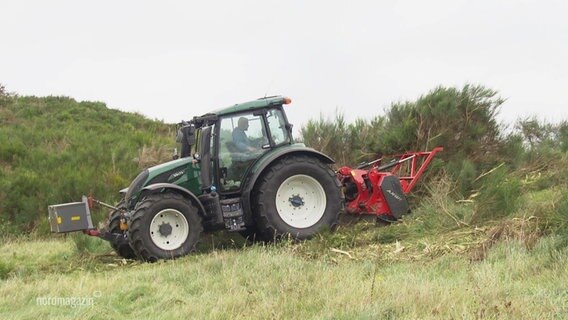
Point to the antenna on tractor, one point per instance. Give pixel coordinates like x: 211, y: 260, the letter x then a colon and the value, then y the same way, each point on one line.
x: 268, y: 89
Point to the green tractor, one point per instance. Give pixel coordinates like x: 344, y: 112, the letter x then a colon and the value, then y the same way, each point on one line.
x: 239, y: 170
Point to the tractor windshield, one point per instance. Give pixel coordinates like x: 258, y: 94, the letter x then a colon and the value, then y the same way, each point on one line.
x: 277, y: 126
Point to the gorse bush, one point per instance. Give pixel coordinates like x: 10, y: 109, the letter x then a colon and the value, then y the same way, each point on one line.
x: 334, y: 135
x: 499, y: 196
x: 463, y: 121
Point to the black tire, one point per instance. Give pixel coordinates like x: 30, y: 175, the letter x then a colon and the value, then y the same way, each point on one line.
x: 271, y: 222
x: 142, y: 238
x: 120, y: 245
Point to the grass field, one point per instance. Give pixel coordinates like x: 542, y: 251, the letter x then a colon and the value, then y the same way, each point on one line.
x: 228, y: 279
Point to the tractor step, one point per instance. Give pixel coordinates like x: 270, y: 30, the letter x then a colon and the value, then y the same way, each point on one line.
x: 233, y: 214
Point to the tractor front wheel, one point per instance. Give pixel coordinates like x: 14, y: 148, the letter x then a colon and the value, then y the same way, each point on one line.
x: 164, y: 226
x: 297, y: 196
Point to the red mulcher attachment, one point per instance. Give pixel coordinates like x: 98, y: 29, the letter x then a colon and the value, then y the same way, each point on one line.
x: 381, y: 190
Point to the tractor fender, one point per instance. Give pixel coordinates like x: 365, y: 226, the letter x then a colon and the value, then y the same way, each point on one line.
x: 260, y: 166
x: 183, y: 191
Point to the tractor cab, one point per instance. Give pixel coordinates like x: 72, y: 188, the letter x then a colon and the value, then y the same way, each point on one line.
x: 233, y: 139
x: 241, y: 139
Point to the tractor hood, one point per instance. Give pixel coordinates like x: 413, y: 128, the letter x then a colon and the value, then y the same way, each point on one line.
x: 179, y: 172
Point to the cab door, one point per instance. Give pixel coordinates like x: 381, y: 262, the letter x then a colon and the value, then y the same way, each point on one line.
x: 242, y: 140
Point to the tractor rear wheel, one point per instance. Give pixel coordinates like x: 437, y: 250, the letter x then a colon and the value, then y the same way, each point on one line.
x: 120, y: 244
x: 164, y: 226
x: 297, y: 196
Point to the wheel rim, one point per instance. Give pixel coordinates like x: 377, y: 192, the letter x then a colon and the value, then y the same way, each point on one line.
x: 300, y: 201
x: 169, y: 229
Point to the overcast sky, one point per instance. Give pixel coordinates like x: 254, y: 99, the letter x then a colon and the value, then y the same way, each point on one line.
x: 171, y: 60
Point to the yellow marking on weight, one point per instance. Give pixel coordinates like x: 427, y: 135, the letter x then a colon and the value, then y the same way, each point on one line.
x: 59, y: 220
x: 75, y: 218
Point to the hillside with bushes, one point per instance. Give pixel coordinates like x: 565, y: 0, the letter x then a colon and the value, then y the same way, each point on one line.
x: 55, y: 149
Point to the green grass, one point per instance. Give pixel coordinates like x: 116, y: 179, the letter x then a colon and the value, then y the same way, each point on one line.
x: 283, y: 281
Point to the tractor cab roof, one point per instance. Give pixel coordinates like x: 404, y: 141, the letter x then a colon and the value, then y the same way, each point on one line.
x: 240, y: 107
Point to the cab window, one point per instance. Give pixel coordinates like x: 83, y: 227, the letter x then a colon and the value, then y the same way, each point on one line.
x: 242, y: 140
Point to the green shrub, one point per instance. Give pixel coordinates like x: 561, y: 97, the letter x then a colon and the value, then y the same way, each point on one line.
x: 499, y: 196
x: 552, y: 216
x: 464, y: 172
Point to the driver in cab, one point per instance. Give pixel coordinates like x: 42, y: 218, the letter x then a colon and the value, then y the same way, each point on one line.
x: 240, y: 139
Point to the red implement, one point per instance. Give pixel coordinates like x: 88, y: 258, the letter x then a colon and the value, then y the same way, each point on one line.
x: 381, y: 190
